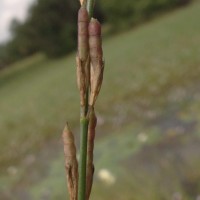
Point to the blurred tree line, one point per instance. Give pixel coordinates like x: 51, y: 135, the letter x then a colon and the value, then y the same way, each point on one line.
x: 51, y: 24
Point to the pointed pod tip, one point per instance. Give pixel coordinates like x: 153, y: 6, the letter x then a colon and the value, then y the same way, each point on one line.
x: 66, y: 128
x: 94, y: 19
x: 82, y: 2
x: 94, y: 27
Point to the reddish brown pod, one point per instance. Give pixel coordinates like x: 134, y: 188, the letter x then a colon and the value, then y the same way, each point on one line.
x: 96, y: 57
x: 71, y: 164
x: 95, y: 41
x: 83, y: 21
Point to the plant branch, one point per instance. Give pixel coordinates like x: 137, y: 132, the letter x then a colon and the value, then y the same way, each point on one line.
x: 84, y: 121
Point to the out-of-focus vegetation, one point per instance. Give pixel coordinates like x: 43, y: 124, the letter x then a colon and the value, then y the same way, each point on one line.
x: 148, y: 134
x: 51, y: 25
x: 50, y: 28
x: 126, y: 13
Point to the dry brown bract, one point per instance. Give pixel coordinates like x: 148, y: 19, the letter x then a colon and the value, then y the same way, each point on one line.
x: 71, y: 164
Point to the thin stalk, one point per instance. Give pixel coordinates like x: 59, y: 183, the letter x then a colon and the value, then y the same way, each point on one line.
x: 83, y: 159
x: 90, y: 7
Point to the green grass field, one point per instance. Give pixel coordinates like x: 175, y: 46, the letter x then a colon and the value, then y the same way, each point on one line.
x: 149, y: 112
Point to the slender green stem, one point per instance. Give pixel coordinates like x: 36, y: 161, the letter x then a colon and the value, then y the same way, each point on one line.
x: 90, y: 7
x: 83, y: 159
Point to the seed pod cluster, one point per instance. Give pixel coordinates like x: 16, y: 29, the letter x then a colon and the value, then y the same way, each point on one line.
x: 71, y: 164
x: 90, y: 67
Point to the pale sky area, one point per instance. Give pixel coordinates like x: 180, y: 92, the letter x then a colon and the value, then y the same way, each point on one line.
x: 10, y: 9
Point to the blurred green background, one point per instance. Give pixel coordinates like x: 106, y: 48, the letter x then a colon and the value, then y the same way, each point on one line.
x: 148, y: 133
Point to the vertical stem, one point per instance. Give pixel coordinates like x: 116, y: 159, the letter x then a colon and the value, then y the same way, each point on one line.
x: 83, y: 159
x: 84, y: 121
x: 90, y: 7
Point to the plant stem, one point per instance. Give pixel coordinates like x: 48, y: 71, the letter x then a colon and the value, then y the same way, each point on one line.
x: 83, y: 159
x: 90, y: 7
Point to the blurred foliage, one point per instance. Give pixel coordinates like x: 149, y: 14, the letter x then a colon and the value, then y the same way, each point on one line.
x: 123, y: 14
x: 51, y: 25
x: 49, y: 28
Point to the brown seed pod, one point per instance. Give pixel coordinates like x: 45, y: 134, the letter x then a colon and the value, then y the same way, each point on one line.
x: 83, y: 21
x: 96, y: 56
x: 90, y: 149
x: 95, y: 41
x: 71, y: 164
x: 96, y: 78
